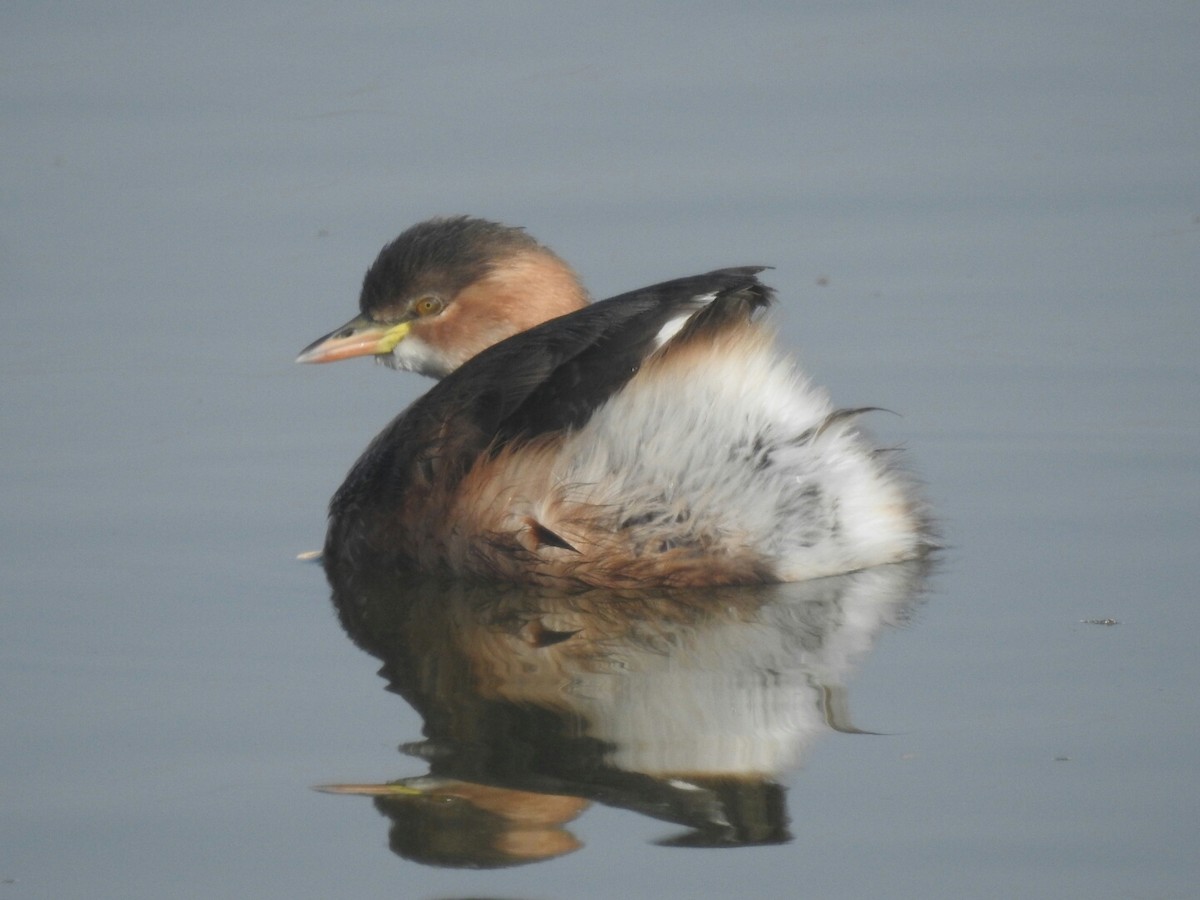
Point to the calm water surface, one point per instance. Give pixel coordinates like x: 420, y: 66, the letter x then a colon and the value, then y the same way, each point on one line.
x: 985, y: 220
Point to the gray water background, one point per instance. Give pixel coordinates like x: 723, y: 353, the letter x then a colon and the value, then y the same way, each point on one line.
x: 984, y: 218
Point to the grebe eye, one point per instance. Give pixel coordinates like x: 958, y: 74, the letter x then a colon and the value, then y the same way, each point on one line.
x: 427, y: 306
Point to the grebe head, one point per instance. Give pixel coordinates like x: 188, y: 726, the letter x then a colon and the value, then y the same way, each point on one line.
x: 448, y: 288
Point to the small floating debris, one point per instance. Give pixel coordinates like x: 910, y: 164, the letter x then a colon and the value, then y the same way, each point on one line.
x: 309, y: 556
x: 1099, y: 621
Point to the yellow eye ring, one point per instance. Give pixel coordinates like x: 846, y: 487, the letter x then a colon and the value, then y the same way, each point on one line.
x: 428, y: 306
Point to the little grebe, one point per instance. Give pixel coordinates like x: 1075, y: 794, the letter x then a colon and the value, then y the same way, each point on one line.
x: 657, y: 438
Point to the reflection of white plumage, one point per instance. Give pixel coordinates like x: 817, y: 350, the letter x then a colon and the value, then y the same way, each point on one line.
x: 656, y: 438
x: 747, y: 693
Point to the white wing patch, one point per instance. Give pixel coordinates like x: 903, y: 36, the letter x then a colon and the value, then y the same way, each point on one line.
x: 672, y: 326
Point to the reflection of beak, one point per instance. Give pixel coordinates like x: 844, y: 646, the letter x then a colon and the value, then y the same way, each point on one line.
x: 524, y: 809
x: 358, y: 337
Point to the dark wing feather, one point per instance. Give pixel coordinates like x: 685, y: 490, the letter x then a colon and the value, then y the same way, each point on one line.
x: 586, y: 368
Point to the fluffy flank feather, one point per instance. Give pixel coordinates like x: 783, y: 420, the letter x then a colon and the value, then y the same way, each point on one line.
x: 711, y: 484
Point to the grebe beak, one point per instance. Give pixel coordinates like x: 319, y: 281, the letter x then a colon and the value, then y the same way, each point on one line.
x: 358, y: 337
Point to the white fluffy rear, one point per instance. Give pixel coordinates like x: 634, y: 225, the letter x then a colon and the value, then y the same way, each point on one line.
x: 720, y: 445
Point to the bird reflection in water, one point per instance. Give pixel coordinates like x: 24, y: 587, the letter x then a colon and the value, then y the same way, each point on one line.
x: 685, y: 706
